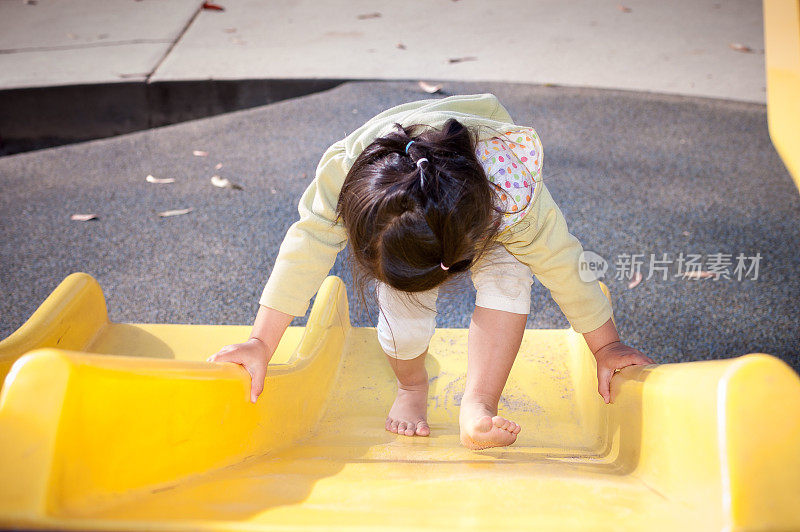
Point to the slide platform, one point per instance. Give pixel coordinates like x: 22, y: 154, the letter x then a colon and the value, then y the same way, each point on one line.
x: 111, y: 426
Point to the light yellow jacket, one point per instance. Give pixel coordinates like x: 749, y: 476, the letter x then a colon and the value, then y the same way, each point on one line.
x: 540, y: 240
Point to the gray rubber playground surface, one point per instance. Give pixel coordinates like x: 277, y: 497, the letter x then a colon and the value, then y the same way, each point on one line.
x: 634, y: 173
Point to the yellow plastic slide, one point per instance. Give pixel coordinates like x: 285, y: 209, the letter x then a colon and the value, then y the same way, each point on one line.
x: 108, y: 426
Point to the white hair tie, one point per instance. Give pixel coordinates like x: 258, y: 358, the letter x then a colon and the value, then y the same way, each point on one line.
x: 421, y: 174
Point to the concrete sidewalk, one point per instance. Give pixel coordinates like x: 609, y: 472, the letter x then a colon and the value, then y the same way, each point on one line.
x: 679, y: 47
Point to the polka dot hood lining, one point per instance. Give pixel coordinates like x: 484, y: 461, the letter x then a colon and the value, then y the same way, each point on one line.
x: 513, y: 164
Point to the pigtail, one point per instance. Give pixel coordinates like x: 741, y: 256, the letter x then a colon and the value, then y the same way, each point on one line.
x: 418, y: 207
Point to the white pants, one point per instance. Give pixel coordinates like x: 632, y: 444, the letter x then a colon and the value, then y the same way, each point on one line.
x: 406, y: 321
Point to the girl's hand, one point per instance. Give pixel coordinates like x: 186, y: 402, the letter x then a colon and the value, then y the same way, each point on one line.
x: 254, y: 355
x: 611, y: 358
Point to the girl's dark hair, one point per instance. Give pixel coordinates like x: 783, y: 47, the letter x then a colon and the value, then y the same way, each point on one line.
x: 401, y: 227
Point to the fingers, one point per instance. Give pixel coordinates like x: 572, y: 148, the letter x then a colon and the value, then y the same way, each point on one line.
x: 641, y: 358
x: 633, y: 359
x: 258, y: 372
x: 610, y: 365
x: 255, y: 367
x: 636, y: 357
x: 226, y: 356
x: 604, y: 383
x: 224, y: 350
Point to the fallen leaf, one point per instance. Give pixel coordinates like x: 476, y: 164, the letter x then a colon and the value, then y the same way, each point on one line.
x: 305, y: 175
x: 72, y: 36
x: 237, y: 40
x: 200, y: 153
x: 218, y: 166
x: 461, y: 59
x: 430, y: 89
x: 222, y: 182
x: 698, y: 274
x: 738, y: 47
x: 637, y: 278
x: 176, y: 212
x: 83, y: 217
x: 401, y: 46
x: 366, y: 16
x: 624, y: 9
x: 159, y: 181
x: 229, y: 30
x: 210, y: 6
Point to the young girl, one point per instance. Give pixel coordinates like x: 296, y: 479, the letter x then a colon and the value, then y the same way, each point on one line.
x: 423, y: 192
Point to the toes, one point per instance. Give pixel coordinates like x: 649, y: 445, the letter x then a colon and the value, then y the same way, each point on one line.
x: 506, y: 425
x: 407, y: 428
x: 499, y: 422
x: 499, y: 432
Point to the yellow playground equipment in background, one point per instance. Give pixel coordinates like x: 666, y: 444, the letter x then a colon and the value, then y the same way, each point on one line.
x: 782, y: 48
x: 110, y: 426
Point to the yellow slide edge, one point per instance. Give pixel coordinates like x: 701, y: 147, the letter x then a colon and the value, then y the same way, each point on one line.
x: 82, y: 430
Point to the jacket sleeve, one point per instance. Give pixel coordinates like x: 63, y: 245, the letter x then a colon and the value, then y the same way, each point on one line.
x: 542, y: 241
x: 311, y: 244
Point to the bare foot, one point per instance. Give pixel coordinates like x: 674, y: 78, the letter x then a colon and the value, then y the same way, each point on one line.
x: 481, y: 428
x: 408, y: 413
